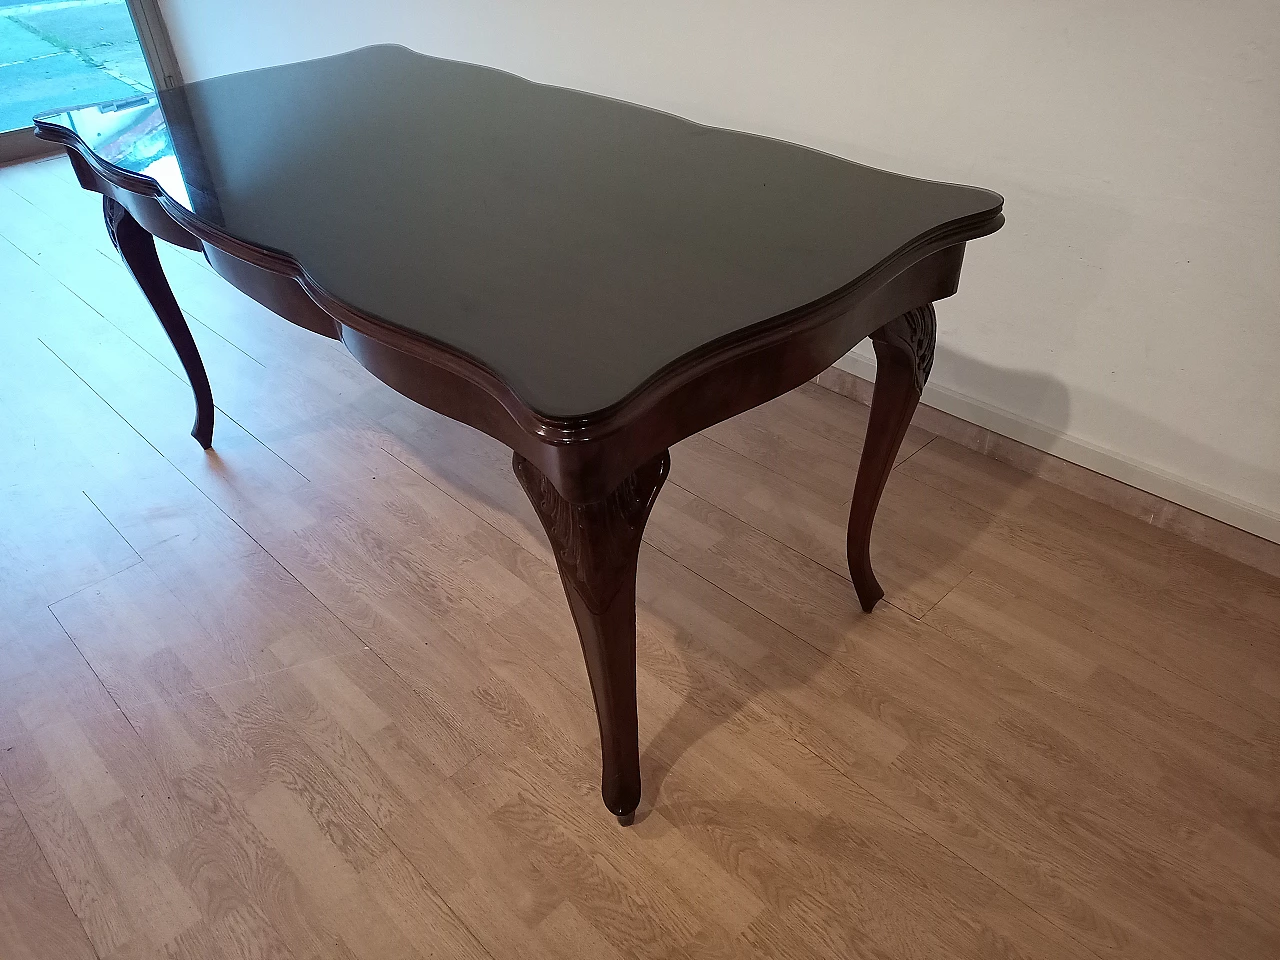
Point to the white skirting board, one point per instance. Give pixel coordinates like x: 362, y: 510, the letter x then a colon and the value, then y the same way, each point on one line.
x: 1249, y: 517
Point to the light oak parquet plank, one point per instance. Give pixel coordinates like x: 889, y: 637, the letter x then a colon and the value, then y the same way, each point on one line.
x: 919, y: 575
x: 809, y: 438
x: 318, y: 694
x: 66, y: 790
x: 276, y: 848
x: 42, y: 188
x: 35, y: 919
x: 1215, y: 587
x: 45, y: 679
x: 937, y: 736
x: 146, y: 643
x: 54, y: 541
x: 703, y: 542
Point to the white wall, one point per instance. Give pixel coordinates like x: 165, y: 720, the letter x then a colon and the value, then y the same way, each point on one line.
x: 1127, y: 317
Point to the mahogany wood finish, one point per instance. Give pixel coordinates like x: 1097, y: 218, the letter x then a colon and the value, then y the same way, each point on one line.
x: 904, y: 357
x: 717, y: 273
x: 137, y: 248
x: 596, y: 546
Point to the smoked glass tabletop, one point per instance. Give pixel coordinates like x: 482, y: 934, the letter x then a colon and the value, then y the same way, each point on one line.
x: 573, y: 244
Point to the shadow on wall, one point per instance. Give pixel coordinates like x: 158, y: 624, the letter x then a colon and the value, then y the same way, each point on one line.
x: 1086, y: 275
x: 1046, y: 406
x: 1042, y: 399
x: 1037, y: 285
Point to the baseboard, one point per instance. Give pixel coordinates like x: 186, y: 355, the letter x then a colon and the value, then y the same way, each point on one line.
x: 1235, y: 529
x: 23, y: 144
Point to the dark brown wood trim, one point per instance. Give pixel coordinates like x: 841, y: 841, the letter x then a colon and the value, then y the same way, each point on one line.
x: 762, y: 361
x: 596, y: 546
x: 904, y: 351
x: 137, y: 247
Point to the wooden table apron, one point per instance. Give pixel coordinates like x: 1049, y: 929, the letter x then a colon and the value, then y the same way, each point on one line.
x: 592, y: 481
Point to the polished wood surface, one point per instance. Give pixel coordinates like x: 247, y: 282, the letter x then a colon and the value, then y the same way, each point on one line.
x: 586, y: 280
x: 596, y: 546
x: 137, y: 248
x: 904, y: 357
x: 317, y: 693
x: 571, y: 246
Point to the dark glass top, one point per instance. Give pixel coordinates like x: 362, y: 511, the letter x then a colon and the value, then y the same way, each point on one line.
x: 573, y: 244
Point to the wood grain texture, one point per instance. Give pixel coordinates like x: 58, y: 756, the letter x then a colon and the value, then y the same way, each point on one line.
x: 596, y: 546
x: 138, y: 250
x: 318, y: 695
x: 35, y: 918
x: 904, y: 357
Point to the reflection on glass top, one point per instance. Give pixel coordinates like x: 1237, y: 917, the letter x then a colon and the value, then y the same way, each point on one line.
x: 574, y: 244
x: 130, y: 134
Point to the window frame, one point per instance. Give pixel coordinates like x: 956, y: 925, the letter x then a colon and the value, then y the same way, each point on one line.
x: 157, y: 51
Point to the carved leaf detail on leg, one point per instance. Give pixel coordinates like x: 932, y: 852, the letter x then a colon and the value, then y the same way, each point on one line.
x: 596, y: 547
x: 914, y: 334
x: 596, y: 543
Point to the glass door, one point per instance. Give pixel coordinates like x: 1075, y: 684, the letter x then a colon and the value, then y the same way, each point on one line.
x: 61, y: 53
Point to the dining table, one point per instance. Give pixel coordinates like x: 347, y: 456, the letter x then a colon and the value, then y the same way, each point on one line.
x: 586, y: 280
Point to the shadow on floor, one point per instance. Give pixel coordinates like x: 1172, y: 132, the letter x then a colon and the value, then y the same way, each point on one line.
x: 920, y: 548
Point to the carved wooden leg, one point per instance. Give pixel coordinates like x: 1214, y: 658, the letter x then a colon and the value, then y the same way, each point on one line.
x: 904, y: 356
x: 596, y: 546
x: 138, y: 250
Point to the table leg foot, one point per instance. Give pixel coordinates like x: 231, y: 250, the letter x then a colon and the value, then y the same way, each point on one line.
x: 904, y: 357
x: 596, y: 546
x: 627, y: 820
x: 138, y: 250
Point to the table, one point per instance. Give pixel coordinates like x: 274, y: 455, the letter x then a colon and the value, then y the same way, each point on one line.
x: 586, y: 280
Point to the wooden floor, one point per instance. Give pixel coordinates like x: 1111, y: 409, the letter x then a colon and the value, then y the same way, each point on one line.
x: 316, y: 694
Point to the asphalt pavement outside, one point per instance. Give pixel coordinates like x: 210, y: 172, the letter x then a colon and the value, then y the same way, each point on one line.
x: 64, y: 53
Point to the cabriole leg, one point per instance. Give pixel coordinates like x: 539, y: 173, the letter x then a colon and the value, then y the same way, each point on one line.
x: 138, y: 250
x: 904, y: 356
x: 596, y: 546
